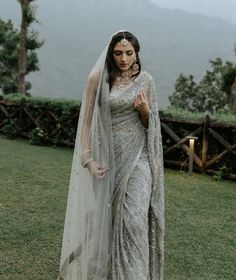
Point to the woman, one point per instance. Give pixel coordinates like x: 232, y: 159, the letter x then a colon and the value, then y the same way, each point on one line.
x: 114, y: 225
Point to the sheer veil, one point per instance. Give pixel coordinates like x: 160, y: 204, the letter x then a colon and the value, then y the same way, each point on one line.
x: 87, y: 233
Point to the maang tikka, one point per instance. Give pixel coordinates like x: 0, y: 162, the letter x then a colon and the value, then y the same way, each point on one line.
x: 124, y: 42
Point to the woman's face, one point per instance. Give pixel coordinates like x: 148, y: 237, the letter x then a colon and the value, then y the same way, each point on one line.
x: 124, y: 56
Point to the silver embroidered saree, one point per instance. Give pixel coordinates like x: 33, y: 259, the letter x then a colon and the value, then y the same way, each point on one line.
x: 114, y: 227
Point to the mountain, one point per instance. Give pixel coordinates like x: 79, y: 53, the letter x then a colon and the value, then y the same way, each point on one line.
x: 75, y: 32
x: 216, y: 8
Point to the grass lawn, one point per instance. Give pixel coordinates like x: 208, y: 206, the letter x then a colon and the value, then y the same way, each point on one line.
x: 200, y: 217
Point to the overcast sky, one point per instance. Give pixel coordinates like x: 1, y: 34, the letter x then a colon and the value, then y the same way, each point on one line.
x: 225, y: 9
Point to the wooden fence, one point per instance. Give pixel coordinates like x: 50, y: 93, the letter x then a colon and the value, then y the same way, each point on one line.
x: 214, y: 152
x: 215, y: 147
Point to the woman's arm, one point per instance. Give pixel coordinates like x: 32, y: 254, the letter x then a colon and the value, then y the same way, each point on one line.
x: 88, y: 105
x: 86, y: 117
x: 142, y: 105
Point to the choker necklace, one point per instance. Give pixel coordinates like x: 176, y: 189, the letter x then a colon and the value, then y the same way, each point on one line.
x: 123, y: 79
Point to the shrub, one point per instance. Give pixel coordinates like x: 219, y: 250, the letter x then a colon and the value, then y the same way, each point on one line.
x: 37, y: 137
x: 11, y: 129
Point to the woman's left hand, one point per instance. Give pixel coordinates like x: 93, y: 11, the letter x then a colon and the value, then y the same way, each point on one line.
x: 141, y: 104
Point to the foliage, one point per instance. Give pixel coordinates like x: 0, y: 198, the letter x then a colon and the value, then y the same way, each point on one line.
x: 11, y: 129
x: 28, y: 12
x: 9, y: 38
x: 183, y: 114
x: 54, y: 120
x: 46, y: 121
x: 219, y: 174
x: 228, y: 76
x: 57, y: 103
x: 9, y: 56
x: 37, y: 137
x: 211, y: 94
x: 229, y: 81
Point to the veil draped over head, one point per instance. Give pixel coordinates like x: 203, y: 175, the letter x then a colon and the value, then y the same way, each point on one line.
x: 87, y: 239
x: 86, y: 243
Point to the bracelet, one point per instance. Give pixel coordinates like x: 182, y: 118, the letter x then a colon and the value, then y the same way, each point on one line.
x: 86, y: 152
x: 87, y: 161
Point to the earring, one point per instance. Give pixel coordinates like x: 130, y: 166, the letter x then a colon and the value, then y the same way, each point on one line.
x: 135, y: 66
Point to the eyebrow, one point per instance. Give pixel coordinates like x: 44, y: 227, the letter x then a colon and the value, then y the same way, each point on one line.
x: 116, y: 50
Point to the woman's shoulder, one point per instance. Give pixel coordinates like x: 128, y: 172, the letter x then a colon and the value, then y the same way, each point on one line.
x: 145, y: 75
x: 94, y: 77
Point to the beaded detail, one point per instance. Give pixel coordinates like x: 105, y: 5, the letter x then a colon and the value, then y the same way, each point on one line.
x: 123, y: 79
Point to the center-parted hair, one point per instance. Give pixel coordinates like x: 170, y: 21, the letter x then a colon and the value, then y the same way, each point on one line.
x: 112, y: 68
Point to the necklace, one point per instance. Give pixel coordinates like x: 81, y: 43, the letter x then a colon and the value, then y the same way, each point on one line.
x: 123, y: 79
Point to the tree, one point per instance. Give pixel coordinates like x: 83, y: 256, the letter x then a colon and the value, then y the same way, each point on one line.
x: 27, y: 42
x: 9, y: 56
x: 9, y: 38
x: 210, y: 94
x: 229, y: 86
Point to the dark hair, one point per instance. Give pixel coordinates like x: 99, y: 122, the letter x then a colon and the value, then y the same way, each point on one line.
x: 110, y: 62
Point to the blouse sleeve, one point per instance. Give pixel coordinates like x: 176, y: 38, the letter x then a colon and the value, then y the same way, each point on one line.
x: 86, y: 117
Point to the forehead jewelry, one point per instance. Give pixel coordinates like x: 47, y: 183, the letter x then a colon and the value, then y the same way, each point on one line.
x: 124, y: 41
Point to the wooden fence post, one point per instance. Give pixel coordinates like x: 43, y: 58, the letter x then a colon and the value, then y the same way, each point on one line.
x: 205, y: 141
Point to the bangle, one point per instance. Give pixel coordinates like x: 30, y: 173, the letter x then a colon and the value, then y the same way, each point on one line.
x: 86, y: 152
x: 86, y: 162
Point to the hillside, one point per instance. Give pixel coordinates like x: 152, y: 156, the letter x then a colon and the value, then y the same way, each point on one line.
x: 172, y: 41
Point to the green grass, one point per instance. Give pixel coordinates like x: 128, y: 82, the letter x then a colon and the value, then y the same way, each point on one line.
x: 200, y: 227
x: 200, y: 214
x: 33, y: 188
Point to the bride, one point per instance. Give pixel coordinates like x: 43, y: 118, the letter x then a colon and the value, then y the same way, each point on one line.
x: 114, y: 225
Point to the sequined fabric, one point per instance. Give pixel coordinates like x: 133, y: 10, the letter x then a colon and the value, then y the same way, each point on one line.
x: 114, y: 228
x: 137, y: 243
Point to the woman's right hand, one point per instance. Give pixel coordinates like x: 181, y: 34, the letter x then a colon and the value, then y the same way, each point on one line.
x: 97, y: 170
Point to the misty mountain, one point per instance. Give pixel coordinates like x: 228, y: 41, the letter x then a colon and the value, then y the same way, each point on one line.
x: 172, y: 41
x: 217, y: 8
